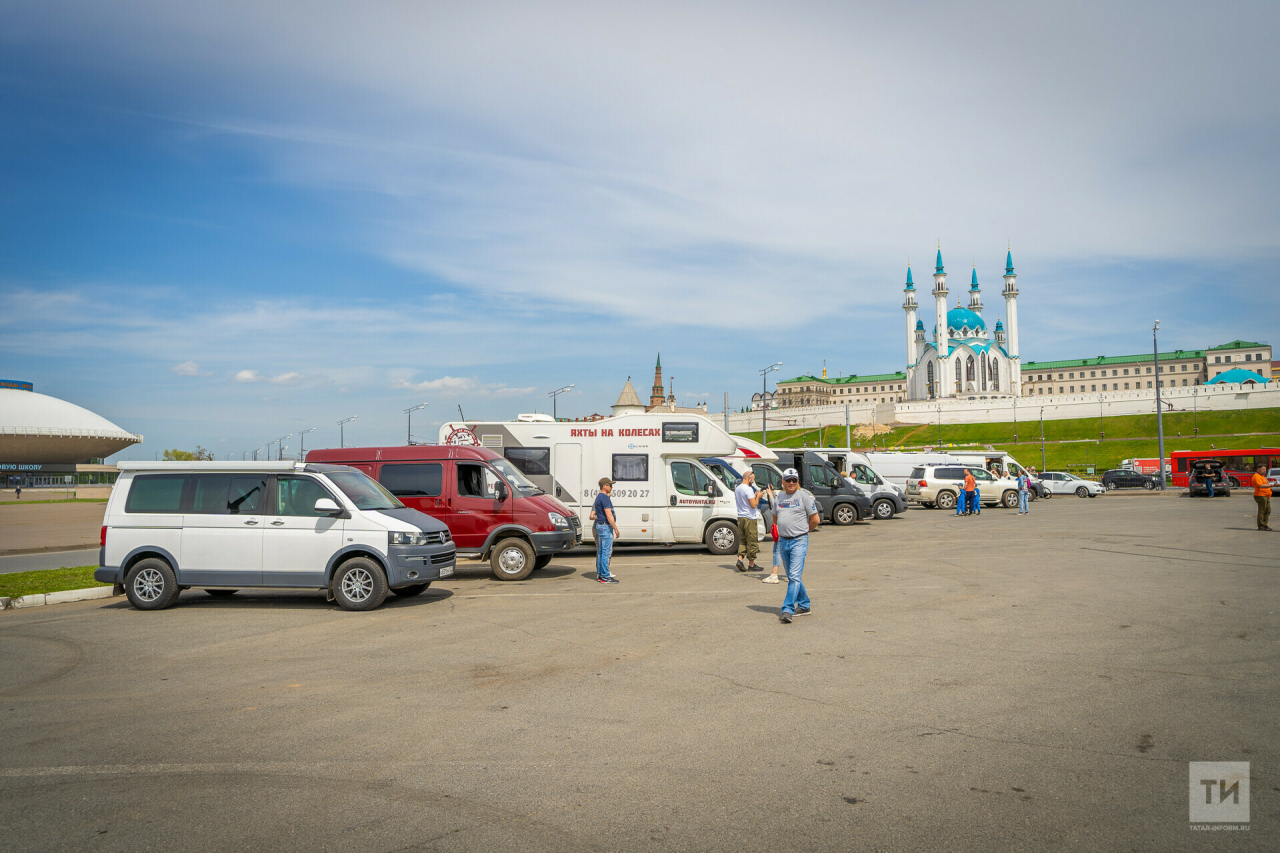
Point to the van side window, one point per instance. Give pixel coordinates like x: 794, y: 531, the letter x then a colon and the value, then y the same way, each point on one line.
x: 476, y: 481
x: 246, y: 494
x: 631, y: 467
x: 209, y: 494
x: 689, y: 480
x: 298, y: 496
x: 821, y: 475
x: 866, y: 475
x: 413, y: 481
x: 766, y: 476
x: 529, y: 460
x: 156, y: 493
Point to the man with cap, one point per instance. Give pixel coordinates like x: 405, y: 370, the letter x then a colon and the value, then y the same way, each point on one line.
x: 606, y: 530
x: 796, y: 515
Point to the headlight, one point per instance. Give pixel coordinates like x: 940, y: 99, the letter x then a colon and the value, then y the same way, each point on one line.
x: 395, y: 538
x: 558, y: 520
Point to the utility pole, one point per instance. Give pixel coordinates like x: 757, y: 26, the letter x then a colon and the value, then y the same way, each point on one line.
x: 1155, y: 344
x: 1195, y: 411
x: 280, y: 447
x: 409, y: 411
x: 764, y: 402
x: 302, y: 444
x: 342, y: 435
x: 848, y: 437
x: 726, y: 411
x: 1042, y: 462
x: 1015, y: 420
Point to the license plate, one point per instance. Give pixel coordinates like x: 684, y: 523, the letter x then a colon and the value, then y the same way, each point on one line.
x: 446, y: 571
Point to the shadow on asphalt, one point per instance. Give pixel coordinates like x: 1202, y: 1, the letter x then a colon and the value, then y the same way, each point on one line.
x: 278, y: 599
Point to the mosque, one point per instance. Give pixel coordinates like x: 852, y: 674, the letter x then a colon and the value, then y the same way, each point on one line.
x: 962, y: 360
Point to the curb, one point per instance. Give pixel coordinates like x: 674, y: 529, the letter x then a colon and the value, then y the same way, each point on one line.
x: 65, y: 596
x: 49, y: 549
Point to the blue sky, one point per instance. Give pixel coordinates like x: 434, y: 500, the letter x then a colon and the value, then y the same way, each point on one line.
x: 222, y: 224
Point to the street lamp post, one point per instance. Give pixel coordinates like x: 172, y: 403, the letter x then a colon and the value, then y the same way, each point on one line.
x: 1102, y: 432
x: 764, y: 401
x: 1195, y: 411
x: 1155, y: 344
x: 280, y: 446
x: 1015, y: 420
x: 342, y: 436
x: 409, y: 411
x: 553, y: 395
x: 302, y: 444
x: 1042, y: 462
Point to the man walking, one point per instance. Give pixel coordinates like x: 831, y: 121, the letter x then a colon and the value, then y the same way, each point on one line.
x: 970, y: 490
x: 1262, y: 494
x: 797, y: 515
x: 747, y: 499
x: 606, y: 530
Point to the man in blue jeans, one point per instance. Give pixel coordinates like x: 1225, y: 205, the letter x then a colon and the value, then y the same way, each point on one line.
x: 606, y: 530
x: 796, y: 515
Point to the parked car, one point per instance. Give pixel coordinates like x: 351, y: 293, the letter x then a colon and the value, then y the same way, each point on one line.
x: 1062, y: 483
x: 1119, y: 478
x: 1203, y: 470
x: 941, y: 485
x: 227, y: 526
x: 1273, y: 477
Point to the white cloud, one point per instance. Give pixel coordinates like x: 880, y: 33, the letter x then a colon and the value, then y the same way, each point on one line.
x: 462, y: 385
x: 290, y: 378
x: 189, y: 368
x: 248, y: 376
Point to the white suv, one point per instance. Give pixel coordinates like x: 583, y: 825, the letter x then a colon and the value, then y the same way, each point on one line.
x: 941, y: 485
x: 225, y: 526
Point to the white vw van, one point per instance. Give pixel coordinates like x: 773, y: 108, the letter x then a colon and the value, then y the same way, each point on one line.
x: 225, y: 526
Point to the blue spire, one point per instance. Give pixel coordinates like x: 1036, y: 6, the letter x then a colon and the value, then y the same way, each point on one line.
x: 973, y: 285
x: 939, y: 269
x: 920, y: 325
x: 999, y: 325
x: 910, y: 286
x: 1008, y: 263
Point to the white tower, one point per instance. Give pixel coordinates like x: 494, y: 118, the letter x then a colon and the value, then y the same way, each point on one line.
x: 941, y: 339
x: 909, y: 305
x: 975, y: 293
x: 1011, y: 314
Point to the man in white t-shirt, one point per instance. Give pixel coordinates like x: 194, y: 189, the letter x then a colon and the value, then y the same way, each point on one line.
x: 747, y: 499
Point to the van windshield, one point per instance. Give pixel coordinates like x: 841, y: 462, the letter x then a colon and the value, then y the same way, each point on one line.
x: 364, y: 492
x: 513, y: 476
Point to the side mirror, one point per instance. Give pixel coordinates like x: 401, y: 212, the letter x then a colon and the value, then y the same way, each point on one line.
x: 326, y: 506
x: 500, y: 492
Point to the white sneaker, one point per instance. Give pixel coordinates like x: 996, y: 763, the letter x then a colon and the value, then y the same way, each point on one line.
x: 770, y: 579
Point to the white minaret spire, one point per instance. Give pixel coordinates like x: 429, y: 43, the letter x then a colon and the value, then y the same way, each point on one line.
x: 1011, y: 314
x: 942, y: 340
x: 909, y: 305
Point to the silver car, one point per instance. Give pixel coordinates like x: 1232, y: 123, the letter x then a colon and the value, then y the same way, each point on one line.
x: 1062, y: 483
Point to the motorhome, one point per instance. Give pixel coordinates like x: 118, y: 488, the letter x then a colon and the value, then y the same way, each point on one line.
x: 662, y: 494
x: 896, y: 466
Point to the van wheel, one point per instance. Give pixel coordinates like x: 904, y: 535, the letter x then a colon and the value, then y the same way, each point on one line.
x: 512, y: 560
x: 883, y: 509
x: 1010, y: 499
x: 222, y: 593
x: 1148, y: 485
x: 946, y: 500
x: 542, y: 562
x: 359, y: 584
x: 411, y: 590
x: 844, y: 514
x: 1082, y: 492
x: 722, y: 538
x: 151, y: 584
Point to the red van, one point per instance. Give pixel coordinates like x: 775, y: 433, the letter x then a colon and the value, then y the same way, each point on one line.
x: 492, y: 510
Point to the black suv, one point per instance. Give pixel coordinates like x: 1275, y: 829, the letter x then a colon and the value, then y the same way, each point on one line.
x: 1204, y: 471
x: 1120, y: 478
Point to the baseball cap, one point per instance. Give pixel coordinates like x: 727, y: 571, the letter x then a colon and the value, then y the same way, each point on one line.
x: 604, y: 480
x: 791, y: 474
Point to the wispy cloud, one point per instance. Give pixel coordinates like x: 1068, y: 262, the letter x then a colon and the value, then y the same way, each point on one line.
x: 189, y: 368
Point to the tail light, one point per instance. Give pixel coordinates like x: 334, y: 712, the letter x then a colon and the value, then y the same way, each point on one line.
x: 102, y: 540
x: 922, y: 483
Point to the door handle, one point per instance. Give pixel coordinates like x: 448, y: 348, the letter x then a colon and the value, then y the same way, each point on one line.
x: 277, y: 522
x: 251, y: 521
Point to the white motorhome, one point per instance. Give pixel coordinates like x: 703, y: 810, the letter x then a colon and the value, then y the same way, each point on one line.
x: 662, y: 494
x: 896, y: 466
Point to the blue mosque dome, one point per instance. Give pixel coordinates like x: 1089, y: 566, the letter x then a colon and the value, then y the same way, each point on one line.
x: 958, y: 318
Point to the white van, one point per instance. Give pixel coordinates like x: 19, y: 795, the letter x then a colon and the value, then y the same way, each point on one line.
x: 662, y: 494
x: 226, y: 526
x: 896, y: 466
x: 887, y: 497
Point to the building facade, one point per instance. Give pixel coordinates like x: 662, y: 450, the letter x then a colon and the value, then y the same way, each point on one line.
x: 1180, y: 368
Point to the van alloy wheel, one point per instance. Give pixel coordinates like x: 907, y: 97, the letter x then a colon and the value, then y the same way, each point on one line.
x: 883, y: 509
x: 844, y: 514
x: 357, y: 585
x: 148, y: 585
x: 721, y: 538
x: 151, y: 584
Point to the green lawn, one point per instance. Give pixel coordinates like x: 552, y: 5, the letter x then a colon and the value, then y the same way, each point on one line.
x: 50, y: 580
x: 1127, y: 437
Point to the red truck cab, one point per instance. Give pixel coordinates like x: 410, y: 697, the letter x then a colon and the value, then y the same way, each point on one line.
x: 491, y: 509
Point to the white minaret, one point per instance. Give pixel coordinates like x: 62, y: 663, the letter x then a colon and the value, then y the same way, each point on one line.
x: 909, y: 305
x: 1011, y: 314
x: 946, y: 384
x: 975, y: 293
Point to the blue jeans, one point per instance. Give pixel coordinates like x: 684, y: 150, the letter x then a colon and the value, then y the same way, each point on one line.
x: 960, y: 503
x: 975, y: 502
x: 604, y: 549
x: 793, y: 553
x: 1209, y: 483
x: 1023, y: 497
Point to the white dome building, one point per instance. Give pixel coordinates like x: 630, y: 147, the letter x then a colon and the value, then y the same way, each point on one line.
x: 39, y: 429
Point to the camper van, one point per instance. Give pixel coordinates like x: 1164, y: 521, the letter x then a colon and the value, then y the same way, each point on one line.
x: 896, y: 466
x: 661, y: 495
x: 839, y: 501
x: 887, y: 498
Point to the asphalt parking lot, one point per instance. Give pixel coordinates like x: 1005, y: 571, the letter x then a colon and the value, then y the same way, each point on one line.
x: 986, y: 683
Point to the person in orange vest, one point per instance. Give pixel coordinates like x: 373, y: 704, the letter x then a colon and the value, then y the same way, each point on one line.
x: 970, y: 491
x: 1262, y: 494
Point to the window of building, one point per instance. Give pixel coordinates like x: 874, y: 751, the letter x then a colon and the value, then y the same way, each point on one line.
x: 1126, y: 373
x: 1148, y: 383
x: 1061, y: 390
x: 1148, y: 370
x: 1226, y: 358
x: 1059, y: 376
x: 1217, y: 359
x: 1094, y: 387
x: 1071, y: 376
x: 1073, y: 389
x: 1184, y: 368
x: 1184, y: 382
x: 1093, y: 373
x: 1115, y: 386
x: 1126, y: 385
x: 1248, y: 357
x: 1039, y: 390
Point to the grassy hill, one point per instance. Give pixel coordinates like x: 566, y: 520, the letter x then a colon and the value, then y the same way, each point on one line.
x: 1069, y: 444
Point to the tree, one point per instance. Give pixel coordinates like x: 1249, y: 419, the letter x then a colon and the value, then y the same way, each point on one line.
x: 198, y: 455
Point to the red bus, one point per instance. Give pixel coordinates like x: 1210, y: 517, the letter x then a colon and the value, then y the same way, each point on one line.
x: 1237, y: 465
